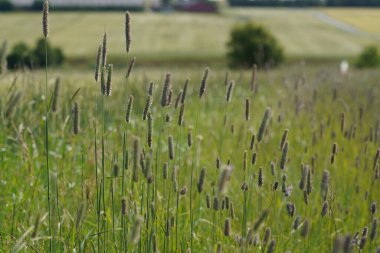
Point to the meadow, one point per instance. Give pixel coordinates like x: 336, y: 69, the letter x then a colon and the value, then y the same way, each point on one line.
x: 188, y: 159
x: 192, y: 38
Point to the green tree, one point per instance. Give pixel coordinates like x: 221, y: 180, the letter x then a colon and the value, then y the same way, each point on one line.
x: 250, y: 43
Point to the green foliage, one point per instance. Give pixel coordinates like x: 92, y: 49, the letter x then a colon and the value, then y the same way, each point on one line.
x: 5, y: 5
x: 368, y: 58
x: 22, y: 56
x: 250, y: 43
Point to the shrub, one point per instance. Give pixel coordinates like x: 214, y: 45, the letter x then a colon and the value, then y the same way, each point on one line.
x: 5, y: 5
x: 250, y: 43
x: 368, y: 58
x: 22, y: 56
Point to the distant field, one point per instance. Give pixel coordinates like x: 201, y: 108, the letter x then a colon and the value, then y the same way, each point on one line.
x: 187, y: 37
x: 367, y: 20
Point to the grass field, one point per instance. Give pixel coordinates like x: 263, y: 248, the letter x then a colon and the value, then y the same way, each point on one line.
x: 190, y: 37
x: 364, y: 19
x: 190, y: 159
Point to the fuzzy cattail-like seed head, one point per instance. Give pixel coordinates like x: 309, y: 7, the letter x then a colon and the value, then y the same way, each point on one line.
x: 130, y: 67
x: 324, y: 208
x: 284, y: 138
x: 305, y: 197
x: 374, y: 225
x: 136, y: 228
x: 181, y: 113
x: 309, y: 187
x: 3, y: 57
x: 208, y: 201
x: 338, y: 244
x: 54, y: 102
x: 362, y: 242
x: 203, y: 83
x: 115, y: 170
x: 45, y: 19
x: 272, y: 246
x: 247, y: 114
x: 244, y: 187
x: 227, y: 227
x: 166, y: 90
x: 136, y: 155
x: 103, y: 80
x: 334, y: 149
x: 254, y: 157
x: 127, y: 31
x: 150, y: 130
x: 183, y: 191
x: 260, y: 179
x: 123, y: 206
x: 284, y: 156
x: 305, y: 228
x: 184, y: 92
x: 290, y: 207
x: 219, y: 248
x: 297, y: 222
x: 252, y: 145
x: 147, y: 107
x: 304, y: 172
x: 342, y: 122
x: 325, y: 182
x: 189, y: 138
x: 165, y: 171
x: 170, y: 147
x: 373, y: 208
x: 253, y: 77
x: 150, y: 89
x: 75, y: 115
x: 267, y: 236
x: 275, y: 186
x: 229, y: 91
x: 232, y: 211
x: 263, y: 124
x: 167, y: 227
x: 224, y: 178
x: 98, y: 63
x: 215, y: 204
x: 109, y: 80
x: 217, y: 162
x: 201, y: 180
x: 129, y: 109
x: 104, y: 50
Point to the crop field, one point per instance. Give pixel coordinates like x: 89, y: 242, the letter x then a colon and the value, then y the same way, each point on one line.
x: 185, y: 159
x: 364, y: 19
x: 191, y: 37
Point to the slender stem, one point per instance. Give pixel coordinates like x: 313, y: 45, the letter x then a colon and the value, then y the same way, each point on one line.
x: 47, y: 143
x: 97, y: 189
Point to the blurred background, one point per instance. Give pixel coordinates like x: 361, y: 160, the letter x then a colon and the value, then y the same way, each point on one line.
x: 192, y: 32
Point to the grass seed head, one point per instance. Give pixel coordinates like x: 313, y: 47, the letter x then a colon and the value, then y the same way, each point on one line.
x: 75, y: 115
x: 263, y: 124
x: 129, y: 109
x: 98, y: 63
x: 127, y: 31
x: 45, y: 19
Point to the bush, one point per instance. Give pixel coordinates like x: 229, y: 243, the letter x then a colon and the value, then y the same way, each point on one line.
x: 250, y: 43
x: 368, y: 58
x: 5, y: 5
x: 22, y: 56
